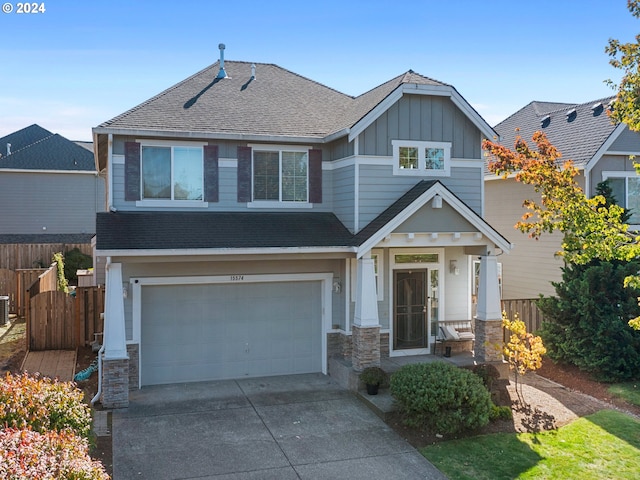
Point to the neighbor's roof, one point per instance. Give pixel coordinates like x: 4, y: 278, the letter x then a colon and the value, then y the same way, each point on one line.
x: 277, y: 102
x: 577, y: 131
x: 34, y: 148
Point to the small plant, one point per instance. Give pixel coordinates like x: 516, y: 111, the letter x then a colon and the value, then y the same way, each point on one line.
x: 523, y: 350
x: 373, y: 376
x: 29, y: 454
x: 500, y: 413
x: 488, y: 373
x: 441, y: 397
x: 42, y: 404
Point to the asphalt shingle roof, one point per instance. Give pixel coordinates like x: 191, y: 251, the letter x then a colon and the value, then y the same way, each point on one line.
x: 578, y: 137
x: 45, y: 238
x: 35, y: 148
x: 190, y: 230
x: 277, y: 102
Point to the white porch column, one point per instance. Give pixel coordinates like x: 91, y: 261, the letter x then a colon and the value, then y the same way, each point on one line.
x: 115, y: 362
x: 115, y: 339
x: 366, y: 328
x: 489, y: 312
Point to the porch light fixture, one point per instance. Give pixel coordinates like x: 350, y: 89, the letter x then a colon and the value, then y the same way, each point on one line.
x: 436, y: 202
x: 453, y: 267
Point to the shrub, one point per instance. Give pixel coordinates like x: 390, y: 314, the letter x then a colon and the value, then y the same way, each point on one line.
x: 441, y: 397
x: 373, y: 376
x: 25, y: 454
x: 43, y: 404
x: 500, y: 413
x: 75, y: 260
x: 587, y: 322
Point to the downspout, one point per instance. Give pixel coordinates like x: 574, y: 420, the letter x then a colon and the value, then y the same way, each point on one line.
x: 100, y: 353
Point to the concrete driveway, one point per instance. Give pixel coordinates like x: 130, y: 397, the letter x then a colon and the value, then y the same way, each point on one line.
x: 288, y: 427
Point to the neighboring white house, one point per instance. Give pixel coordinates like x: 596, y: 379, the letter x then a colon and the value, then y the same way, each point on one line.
x: 261, y: 223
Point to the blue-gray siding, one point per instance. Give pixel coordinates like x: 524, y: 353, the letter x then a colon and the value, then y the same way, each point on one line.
x: 628, y: 141
x: 61, y: 202
x: 423, y: 118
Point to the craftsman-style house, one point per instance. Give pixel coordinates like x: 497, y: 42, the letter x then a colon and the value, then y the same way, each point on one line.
x: 261, y: 223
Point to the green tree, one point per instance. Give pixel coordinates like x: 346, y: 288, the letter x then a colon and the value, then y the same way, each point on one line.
x: 626, y: 57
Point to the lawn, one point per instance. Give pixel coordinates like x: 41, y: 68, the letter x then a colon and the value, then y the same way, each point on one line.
x: 629, y: 392
x: 603, y: 445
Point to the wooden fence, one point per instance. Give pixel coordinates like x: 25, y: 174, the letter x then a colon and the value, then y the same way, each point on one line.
x: 31, y: 255
x: 58, y: 321
x: 526, y: 310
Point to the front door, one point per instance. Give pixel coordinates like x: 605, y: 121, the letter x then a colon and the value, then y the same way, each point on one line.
x: 410, y: 319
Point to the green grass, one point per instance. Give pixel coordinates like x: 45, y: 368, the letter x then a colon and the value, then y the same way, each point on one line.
x: 629, y: 391
x: 603, y: 445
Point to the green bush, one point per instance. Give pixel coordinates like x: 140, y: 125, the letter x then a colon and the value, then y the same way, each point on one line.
x: 75, y: 260
x: 500, y: 413
x: 441, y: 397
x: 51, y: 455
x: 587, y: 322
x: 373, y: 376
x: 42, y: 404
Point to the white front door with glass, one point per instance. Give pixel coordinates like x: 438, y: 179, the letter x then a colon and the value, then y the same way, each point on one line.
x: 416, y: 300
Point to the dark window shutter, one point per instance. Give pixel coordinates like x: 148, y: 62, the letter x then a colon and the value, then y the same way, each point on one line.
x: 211, y: 177
x: 244, y: 174
x: 132, y: 171
x: 315, y: 176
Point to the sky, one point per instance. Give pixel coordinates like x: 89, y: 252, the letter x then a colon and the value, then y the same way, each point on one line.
x: 77, y: 64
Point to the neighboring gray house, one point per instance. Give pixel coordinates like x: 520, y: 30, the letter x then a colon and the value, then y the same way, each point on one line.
x: 50, y: 190
x: 599, y: 149
x: 261, y: 223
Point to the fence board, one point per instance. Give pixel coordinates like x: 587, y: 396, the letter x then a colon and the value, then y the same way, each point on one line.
x: 14, y: 256
x: 8, y: 287
x: 25, y: 278
x: 526, y: 310
x: 58, y: 321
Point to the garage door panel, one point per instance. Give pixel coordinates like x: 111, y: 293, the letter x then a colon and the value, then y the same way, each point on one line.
x: 222, y: 331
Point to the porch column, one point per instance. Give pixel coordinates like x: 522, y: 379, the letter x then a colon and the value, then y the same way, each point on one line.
x: 115, y: 360
x: 366, y: 326
x: 489, y: 313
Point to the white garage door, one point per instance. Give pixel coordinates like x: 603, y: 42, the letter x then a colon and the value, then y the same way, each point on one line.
x: 209, y: 332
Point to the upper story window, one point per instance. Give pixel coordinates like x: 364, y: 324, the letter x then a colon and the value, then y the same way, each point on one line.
x: 626, y: 191
x: 172, y: 173
x: 421, y: 158
x: 280, y: 176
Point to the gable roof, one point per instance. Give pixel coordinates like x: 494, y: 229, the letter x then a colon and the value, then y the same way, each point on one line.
x: 34, y: 148
x: 22, y: 138
x: 277, y: 102
x: 576, y: 130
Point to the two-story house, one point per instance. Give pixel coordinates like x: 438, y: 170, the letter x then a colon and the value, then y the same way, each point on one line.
x: 261, y: 223
x: 599, y: 149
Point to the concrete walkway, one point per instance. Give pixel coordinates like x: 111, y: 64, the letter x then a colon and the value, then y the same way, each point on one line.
x: 288, y: 427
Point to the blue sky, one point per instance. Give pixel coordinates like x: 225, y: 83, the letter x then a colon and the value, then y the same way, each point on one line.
x: 81, y: 63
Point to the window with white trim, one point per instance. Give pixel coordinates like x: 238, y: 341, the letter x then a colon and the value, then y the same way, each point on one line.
x: 280, y: 175
x: 421, y: 158
x: 172, y: 173
x: 626, y: 191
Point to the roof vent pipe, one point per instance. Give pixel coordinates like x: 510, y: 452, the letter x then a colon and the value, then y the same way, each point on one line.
x: 222, y: 73
x: 8, y: 149
x: 253, y: 71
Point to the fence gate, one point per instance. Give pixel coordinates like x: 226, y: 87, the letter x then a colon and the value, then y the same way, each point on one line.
x: 49, y: 322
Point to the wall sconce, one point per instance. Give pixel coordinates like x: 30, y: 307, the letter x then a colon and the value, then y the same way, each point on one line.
x: 125, y: 289
x: 436, y: 202
x: 453, y: 267
x: 337, y: 286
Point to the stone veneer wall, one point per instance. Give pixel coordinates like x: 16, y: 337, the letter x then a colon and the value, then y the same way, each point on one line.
x: 365, y: 347
x: 115, y: 383
x: 488, y: 340
x: 134, y: 365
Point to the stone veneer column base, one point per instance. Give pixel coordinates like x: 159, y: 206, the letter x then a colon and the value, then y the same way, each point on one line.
x: 365, y: 347
x: 488, y: 347
x: 115, y: 383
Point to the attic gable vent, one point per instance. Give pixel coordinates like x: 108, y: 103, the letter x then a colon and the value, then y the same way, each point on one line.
x: 571, y: 115
x: 546, y: 120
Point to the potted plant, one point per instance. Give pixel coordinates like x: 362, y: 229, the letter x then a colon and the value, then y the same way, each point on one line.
x: 373, y: 377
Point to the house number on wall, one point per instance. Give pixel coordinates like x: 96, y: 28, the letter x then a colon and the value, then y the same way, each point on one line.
x: 237, y: 278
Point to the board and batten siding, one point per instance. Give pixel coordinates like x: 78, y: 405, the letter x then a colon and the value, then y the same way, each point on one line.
x: 531, y: 266
x: 422, y: 118
x: 50, y: 203
x: 379, y: 188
